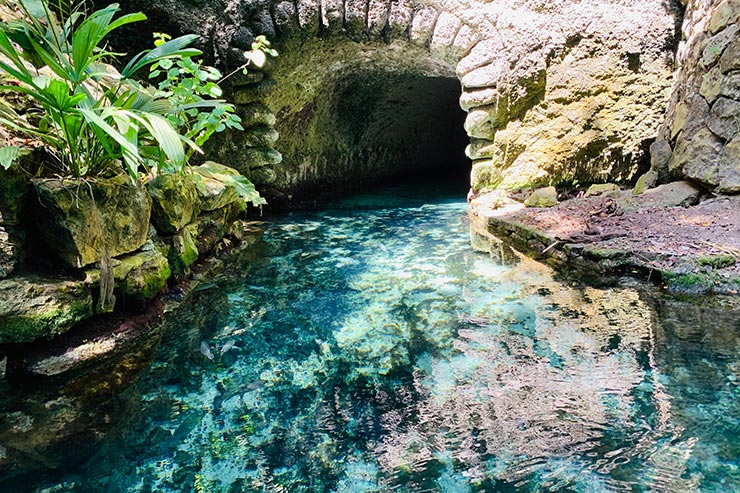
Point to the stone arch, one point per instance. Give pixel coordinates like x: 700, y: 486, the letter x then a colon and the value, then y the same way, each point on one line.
x: 554, y: 90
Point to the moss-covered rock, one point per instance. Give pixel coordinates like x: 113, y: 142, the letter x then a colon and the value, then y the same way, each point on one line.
x: 601, y: 189
x: 184, y: 250
x: 174, y: 201
x: 33, y: 308
x: 79, y: 219
x: 138, y: 277
x: 542, y: 197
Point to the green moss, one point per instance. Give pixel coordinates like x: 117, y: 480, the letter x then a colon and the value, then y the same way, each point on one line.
x: 690, y: 283
x: 44, y: 324
x: 717, y: 261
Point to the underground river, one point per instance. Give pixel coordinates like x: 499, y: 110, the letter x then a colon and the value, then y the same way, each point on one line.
x: 371, y: 349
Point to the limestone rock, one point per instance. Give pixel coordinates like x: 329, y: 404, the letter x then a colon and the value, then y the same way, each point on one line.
x: 33, y: 308
x: 260, y: 136
x: 399, y: 17
x: 309, y: 16
x: 254, y: 92
x: 601, y: 189
x: 711, y: 84
x: 445, y: 31
x: 184, y: 250
x: 648, y: 180
x: 174, y: 201
x: 542, y: 197
x: 258, y: 157
x: 355, y: 16
x: 138, y: 277
x: 141, y: 276
x: 660, y: 156
x: 377, y: 16
x: 286, y: 16
x: 422, y: 25
x: 697, y: 158
x: 255, y: 114
x: 13, y: 191
x: 78, y: 220
x: 724, y: 119
x: 332, y: 15
x: 729, y: 167
x: 675, y: 194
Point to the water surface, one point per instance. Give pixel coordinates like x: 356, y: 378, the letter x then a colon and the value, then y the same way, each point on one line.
x: 372, y: 350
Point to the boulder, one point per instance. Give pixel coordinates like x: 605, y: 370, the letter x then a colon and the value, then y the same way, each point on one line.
x: 542, y: 197
x: 79, y: 219
x: 34, y: 308
x: 646, y: 181
x: 675, y: 194
x: 174, y: 201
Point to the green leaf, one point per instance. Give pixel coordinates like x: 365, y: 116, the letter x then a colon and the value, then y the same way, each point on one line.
x: 173, y: 48
x: 10, y: 154
x: 244, y: 188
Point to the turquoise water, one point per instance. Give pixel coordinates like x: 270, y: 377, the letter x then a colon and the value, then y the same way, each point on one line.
x: 372, y: 350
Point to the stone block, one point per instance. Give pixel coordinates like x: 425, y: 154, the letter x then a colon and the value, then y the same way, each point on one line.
x: 478, y: 123
x: 332, y: 15
x: 377, y: 16
x: 258, y: 157
x: 174, y: 201
x: 255, y: 114
x: 422, y: 25
x: 601, y: 189
x: 487, y: 76
x: 183, y: 251
x: 309, y: 16
x: 355, y: 16
x: 254, y: 92
x: 78, y: 220
x: 729, y: 167
x: 711, y: 84
x: 721, y: 16
x: 399, y: 17
x: 286, y: 17
x: 675, y: 194
x: 716, y: 45
x: 697, y: 158
x: 445, y: 31
x: 730, y: 59
x: 260, y: 136
x: 464, y: 40
x: 473, y: 98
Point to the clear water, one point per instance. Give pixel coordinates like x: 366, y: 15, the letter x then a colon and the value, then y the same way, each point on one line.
x: 375, y: 351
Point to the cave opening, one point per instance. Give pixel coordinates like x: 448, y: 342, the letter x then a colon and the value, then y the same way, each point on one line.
x: 362, y: 128
x: 407, y: 128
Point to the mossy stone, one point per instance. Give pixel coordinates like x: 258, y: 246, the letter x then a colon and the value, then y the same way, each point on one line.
x: 542, y: 197
x: 33, y: 308
x: 646, y: 181
x: 175, y: 201
x: 79, y: 219
x: 184, y: 250
x: 601, y: 189
x: 259, y: 136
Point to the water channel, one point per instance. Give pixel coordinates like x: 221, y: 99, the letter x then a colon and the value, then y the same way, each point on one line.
x: 371, y: 349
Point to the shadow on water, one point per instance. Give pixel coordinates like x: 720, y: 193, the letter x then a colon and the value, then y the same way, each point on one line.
x: 372, y: 350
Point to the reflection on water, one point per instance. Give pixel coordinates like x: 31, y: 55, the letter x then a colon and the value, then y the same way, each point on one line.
x: 372, y: 350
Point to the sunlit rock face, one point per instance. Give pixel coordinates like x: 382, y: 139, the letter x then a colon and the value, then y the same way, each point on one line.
x: 554, y: 92
x: 699, y: 139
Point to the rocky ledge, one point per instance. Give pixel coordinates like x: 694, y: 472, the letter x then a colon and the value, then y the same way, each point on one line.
x: 674, y: 234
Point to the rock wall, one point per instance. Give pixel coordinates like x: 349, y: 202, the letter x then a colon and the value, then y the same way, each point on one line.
x: 89, y: 247
x: 699, y: 139
x: 555, y: 91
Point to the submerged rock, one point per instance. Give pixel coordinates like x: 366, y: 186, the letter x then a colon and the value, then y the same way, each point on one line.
x: 79, y: 219
x: 34, y: 308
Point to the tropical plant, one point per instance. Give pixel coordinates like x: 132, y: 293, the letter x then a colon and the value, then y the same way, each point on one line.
x: 87, y: 117
x: 193, y: 90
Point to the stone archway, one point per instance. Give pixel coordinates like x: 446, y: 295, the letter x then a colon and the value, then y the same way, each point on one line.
x: 555, y: 91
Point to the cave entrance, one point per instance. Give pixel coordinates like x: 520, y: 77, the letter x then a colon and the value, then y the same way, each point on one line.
x: 363, y: 123
x: 406, y: 127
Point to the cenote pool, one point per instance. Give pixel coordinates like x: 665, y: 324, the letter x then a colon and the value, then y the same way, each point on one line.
x: 371, y: 349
